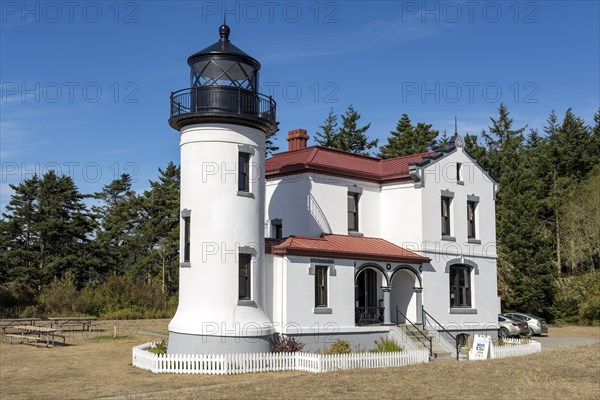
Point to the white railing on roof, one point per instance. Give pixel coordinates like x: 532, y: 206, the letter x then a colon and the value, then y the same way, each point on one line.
x: 227, y: 364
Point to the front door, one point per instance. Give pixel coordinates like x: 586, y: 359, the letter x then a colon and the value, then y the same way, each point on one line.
x: 366, y: 289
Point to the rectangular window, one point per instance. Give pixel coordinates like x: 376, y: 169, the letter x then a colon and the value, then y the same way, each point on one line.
x: 459, y: 172
x: 321, y: 285
x: 446, y: 216
x: 471, y: 206
x: 353, y: 212
x: 244, y: 276
x: 243, y: 172
x: 186, y: 238
x: 460, y: 286
x: 278, y: 230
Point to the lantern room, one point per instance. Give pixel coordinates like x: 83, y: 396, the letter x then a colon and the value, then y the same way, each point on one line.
x: 223, y: 88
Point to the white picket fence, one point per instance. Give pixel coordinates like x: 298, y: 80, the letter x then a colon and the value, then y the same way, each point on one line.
x: 516, y: 347
x: 226, y: 364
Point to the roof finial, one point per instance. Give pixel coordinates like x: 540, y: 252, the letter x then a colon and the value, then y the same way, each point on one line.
x: 455, y: 125
x: 224, y: 29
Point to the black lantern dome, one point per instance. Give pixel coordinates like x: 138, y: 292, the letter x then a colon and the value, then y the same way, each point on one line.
x: 223, y: 88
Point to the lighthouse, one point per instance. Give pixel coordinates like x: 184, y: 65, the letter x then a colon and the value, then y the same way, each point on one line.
x: 223, y: 121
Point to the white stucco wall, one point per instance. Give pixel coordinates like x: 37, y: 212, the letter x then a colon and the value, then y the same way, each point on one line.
x: 221, y: 223
x: 404, y: 214
x: 438, y: 177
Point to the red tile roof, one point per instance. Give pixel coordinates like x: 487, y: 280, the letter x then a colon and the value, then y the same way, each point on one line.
x: 345, y: 247
x: 340, y: 163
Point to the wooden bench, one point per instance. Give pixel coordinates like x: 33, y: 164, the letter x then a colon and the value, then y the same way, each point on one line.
x: 24, y: 338
x: 36, y: 334
x: 86, y: 323
x: 10, y: 323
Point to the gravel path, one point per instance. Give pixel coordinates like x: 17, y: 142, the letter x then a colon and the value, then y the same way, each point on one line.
x: 549, y: 342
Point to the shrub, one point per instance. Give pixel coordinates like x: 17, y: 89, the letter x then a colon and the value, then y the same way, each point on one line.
x: 386, y: 345
x: 61, y: 297
x: 340, y: 346
x: 15, y: 298
x: 577, y: 299
x: 285, y: 344
x: 159, y: 348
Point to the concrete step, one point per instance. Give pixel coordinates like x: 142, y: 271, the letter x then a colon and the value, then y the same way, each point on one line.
x: 419, y: 338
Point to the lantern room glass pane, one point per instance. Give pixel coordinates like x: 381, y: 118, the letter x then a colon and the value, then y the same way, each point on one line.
x: 224, y: 73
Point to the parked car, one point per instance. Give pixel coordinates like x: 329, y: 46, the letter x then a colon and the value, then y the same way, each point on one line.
x: 537, y: 325
x: 510, y: 327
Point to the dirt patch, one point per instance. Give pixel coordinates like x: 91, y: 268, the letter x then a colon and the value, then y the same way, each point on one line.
x: 94, y: 365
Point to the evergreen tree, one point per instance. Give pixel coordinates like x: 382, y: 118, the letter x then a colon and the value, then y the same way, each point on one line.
x: 476, y: 150
x: 524, y: 269
x: 269, y: 144
x: 349, y: 137
x: 63, y: 227
x: 408, y: 139
x: 442, y: 142
x: 19, y: 257
x: 48, y: 230
x: 158, y: 229
x: 569, y: 156
x: 118, y: 215
x: 329, y: 135
x: 352, y: 138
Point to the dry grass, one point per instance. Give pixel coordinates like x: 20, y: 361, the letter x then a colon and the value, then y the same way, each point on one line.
x: 592, y: 332
x: 91, y: 368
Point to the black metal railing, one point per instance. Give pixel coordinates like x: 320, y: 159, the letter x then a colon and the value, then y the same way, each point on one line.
x: 447, y: 332
x: 368, y: 315
x: 425, y: 336
x: 223, y: 99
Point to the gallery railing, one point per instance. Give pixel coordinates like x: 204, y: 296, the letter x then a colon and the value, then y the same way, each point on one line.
x: 223, y: 99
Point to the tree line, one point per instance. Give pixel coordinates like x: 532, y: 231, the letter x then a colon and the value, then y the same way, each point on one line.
x: 119, y: 257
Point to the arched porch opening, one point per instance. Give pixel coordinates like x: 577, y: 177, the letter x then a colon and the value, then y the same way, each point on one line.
x: 368, y: 295
x: 405, y: 297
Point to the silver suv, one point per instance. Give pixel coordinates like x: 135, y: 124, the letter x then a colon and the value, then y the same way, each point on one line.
x: 537, y: 325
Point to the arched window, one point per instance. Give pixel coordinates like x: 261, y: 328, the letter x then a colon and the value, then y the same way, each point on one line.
x: 460, y: 286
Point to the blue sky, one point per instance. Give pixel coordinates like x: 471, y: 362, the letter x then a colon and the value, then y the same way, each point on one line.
x: 85, y: 85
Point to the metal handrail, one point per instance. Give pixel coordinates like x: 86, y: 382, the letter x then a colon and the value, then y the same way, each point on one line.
x: 368, y: 315
x: 223, y: 99
x: 418, y: 330
x: 443, y: 329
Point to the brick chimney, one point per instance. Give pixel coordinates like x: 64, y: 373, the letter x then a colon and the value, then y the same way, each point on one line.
x: 297, y: 139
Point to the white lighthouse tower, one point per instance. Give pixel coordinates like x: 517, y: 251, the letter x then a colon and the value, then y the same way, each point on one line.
x: 223, y: 122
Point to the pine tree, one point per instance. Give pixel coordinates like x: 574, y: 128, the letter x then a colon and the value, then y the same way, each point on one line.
x: 351, y: 138
x: 63, y: 226
x: 48, y: 228
x: 19, y: 258
x: 158, y: 231
x: 408, y: 139
x: 525, y: 271
x: 329, y: 135
x: 117, y: 217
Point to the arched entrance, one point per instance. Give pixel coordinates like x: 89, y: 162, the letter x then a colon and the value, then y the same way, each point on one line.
x: 405, y: 296
x: 368, y: 296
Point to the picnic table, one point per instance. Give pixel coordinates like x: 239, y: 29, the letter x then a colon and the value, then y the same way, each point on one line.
x: 61, y: 322
x: 34, y: 334
x: 9, y: 323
